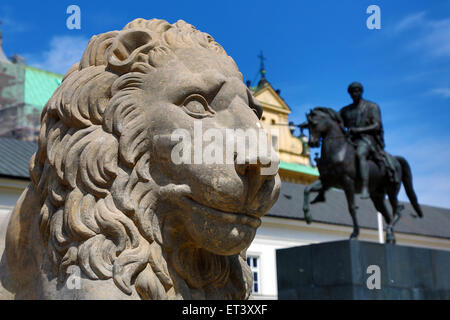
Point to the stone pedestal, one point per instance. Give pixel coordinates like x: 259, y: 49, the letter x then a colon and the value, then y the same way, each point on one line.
x: 339, y: 270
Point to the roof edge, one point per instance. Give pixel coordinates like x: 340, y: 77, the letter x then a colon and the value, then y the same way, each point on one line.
x: 297, y: 167
x: 44, y: 71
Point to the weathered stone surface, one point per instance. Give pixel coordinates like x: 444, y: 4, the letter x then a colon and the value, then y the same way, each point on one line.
x: 106, y: 201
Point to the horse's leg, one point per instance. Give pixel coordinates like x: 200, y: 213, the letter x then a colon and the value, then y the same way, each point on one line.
x: 350, y: 195
x: 378, y: 201
x: 316, y: 186
x: 392, y: 192
x: 396, y: 208
x: 320, y: 196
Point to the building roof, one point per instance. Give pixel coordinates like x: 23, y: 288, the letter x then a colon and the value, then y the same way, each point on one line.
x: 297, y: 167
x: 40, y: 85
x: 15, y: 157
x: 435, y: 223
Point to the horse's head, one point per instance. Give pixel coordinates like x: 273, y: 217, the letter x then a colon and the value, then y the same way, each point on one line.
x: 320, y: 120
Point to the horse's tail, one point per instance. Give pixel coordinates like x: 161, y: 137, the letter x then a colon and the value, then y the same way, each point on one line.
x: 408, y: 184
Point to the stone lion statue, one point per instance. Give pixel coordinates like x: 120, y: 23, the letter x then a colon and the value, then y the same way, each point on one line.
x: 107, y: 214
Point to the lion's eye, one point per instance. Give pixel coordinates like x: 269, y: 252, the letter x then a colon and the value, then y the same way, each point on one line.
x: 196, y: 106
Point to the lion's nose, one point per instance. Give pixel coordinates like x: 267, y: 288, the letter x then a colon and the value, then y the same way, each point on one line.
x: 257, y: 170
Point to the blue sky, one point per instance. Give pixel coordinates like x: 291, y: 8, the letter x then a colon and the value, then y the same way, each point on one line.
x: 314, y: 49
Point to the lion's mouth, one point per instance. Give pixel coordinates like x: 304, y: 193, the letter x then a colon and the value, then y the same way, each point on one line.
x: 247, y: 218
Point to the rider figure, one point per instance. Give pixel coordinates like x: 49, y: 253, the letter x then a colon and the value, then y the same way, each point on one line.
x: 362, y: 119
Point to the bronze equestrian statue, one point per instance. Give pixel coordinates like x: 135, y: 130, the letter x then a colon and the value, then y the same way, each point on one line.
x: 354, y: 160
x: 362, y: 119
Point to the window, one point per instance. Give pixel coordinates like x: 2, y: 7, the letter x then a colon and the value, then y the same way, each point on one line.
x: 253, y: 262
x: 275, y: 142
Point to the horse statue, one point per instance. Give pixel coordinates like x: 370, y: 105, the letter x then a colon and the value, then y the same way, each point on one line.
x: 338, y: 168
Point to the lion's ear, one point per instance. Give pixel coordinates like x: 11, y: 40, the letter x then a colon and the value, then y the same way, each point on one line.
x: 126, y: 48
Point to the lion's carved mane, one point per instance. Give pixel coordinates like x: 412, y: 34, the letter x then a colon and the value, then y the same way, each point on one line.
x: 91, y: 172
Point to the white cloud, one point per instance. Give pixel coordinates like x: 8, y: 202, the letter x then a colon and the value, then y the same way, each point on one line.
x: 410, y: 21
x: 443, y: 92
x: 437, y: 38
x: 13, y: 26
x: 64, y: 51
x: 9, y: 24
x: 431, y: 36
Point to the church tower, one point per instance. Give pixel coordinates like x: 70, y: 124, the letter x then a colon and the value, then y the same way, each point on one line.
x: 293, y: 151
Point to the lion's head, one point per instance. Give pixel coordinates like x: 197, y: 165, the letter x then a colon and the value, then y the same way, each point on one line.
x: 111, y: 200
